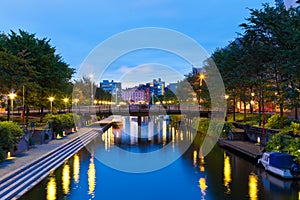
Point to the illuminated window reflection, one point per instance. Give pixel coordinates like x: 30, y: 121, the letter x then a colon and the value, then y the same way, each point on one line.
x: 76, y: 166
x: 66, y: 179
x: 51, y: 189
x: 92, y: 176
x: 253, y: 186
x: 227, y: 173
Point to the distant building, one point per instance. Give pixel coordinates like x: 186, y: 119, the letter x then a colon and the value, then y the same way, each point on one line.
x: 158, y: 87
x: 133, y: 95
x: 112, y: 87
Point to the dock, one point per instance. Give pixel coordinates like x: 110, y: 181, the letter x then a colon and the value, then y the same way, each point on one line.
x: 115, y: 120
x: 249, y: 149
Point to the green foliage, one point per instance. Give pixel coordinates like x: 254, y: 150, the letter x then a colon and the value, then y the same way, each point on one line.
x: 202, y: 123
x: 228, y: 127
x: 281, y: 142
x: 274, y: 121
x: 295, y: 127
x: 278, y: 142
x: 293, y: 148
x: 2, y: 155
x: 10, y: 134
x: 62, y: 122
x: 26, y: 60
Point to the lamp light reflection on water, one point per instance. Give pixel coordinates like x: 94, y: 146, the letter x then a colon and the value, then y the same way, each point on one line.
x: 92, y: 176
x: 66, y: 179
x: 227, y: 173
x: 201, y: 165
x: 253, y: 186
x: 76, y: 168
x: 51, y: 189
x: 195, y: 156
x: 203, y: 187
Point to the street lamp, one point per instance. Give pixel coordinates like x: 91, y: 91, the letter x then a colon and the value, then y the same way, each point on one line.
x: 12, y: 95
x: 66, y: 100
x: 201, y: 77
x: 252, y: 105
x: 51, y: 99
x: 226, y: 96
x: 76, y: 102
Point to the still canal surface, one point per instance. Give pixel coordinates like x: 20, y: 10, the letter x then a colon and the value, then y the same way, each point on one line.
x: 220, y: 175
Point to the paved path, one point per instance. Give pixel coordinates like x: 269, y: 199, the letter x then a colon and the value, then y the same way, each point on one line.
x: 34, y: 153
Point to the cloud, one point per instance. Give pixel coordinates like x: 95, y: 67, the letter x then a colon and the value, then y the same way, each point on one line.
x: 124, y: 69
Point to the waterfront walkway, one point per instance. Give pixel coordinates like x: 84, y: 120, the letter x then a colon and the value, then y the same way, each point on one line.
x: 20, y: 174
x: 32, y: 154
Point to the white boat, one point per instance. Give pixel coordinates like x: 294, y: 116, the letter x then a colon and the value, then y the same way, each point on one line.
x: 280, y: 164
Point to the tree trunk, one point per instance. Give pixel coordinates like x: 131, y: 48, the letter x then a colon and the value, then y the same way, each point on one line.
x: 296, y: 113
x: 8, y: 110
x: 27, y: 114
x: 245, y: 113
x: 234, y: 103
x: 259, y: 112
x: 281, y: 114
x: 42, y: 113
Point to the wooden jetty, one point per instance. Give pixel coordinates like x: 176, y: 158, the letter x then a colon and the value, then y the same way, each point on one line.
x: 249, y: 149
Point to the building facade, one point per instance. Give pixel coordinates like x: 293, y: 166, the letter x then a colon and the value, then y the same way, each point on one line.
x: 111, y: 87
x: 133, y: 95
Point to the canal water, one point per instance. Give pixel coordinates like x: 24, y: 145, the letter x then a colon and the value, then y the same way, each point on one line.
x: 220, y: 175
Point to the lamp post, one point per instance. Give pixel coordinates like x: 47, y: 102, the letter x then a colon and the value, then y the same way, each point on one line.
x: 201, y: 77
x: 252, y: 105
x: 12, y: 95
x: 51, y: 99
x: 66, y: 100
x: 226, y: 96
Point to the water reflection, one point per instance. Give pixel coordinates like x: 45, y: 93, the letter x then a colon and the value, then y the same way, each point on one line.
x: 187, y: 178
x: 76, y: 168
x: 51, y: 189
x: 92, y: 177
x: 227, y: 173
x: 253, y: 186
x: 201, y: 164
x: 203, y: 187
x: 195, y: 154
x: 66, y: 179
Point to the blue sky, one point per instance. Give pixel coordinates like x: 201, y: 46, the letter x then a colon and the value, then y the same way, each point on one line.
x: 77, y: 27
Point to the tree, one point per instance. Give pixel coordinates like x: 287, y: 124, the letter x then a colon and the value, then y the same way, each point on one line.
x: 32, y: 62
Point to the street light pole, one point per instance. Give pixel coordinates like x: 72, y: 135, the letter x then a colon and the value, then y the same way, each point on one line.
x: 201, y: 76
x: 12, y: 95
x: 226, y: 97
x: 51, y: 99
x: 252, y: 104
x: 66, y: 100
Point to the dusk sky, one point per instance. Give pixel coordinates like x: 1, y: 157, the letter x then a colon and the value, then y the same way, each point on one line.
x: 77, y: 27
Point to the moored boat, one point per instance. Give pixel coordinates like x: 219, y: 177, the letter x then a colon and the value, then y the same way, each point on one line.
x: 280, y: 164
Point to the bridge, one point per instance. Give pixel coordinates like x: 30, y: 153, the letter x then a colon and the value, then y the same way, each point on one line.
x: 142, y: 110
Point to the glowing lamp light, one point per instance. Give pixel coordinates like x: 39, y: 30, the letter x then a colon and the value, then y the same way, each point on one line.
x: 258, y: 140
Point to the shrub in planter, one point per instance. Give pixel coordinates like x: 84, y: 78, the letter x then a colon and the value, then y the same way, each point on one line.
x: 10, y: 134
x: 62, y: 122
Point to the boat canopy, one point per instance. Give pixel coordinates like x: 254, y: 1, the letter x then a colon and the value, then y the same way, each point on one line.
x: 281, y: 160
